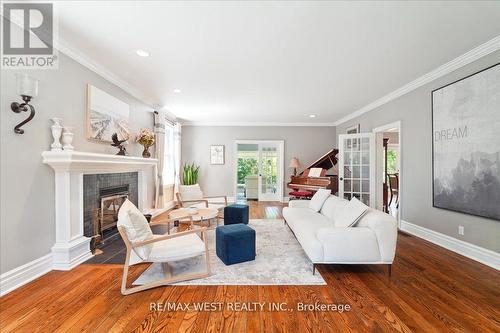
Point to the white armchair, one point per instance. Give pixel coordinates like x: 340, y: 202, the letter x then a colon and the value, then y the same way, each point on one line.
x: 143, y: 246
x: 192, y: 196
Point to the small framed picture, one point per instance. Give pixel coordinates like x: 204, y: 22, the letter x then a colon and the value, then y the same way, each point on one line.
x: 353, y: 129
x: 217, y: 154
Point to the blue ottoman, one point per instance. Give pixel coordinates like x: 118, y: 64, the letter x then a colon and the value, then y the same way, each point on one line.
x: 235, y: 243
x: 236, y: 213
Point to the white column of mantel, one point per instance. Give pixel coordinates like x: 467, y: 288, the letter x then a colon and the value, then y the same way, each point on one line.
x: 71, y: 247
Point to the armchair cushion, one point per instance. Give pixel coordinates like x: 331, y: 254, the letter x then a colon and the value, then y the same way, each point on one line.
x: 176, y: 248
x: 136, y: 227
x: 190, y: 192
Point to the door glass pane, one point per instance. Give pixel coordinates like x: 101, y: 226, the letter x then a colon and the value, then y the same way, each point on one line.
x: 356, y: 158
x: 365, y: 171
x: 356, y: 172
x: 365, y: 186
x: 347, y: 185
x: 356, y: 186
x: 366, y: 157
x: 269, y: 170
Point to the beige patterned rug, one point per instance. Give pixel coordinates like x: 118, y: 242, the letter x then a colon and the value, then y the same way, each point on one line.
x: 280, y: 260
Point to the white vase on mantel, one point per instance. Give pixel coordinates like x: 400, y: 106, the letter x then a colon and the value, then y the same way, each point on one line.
x: 67, y: 138
x: 56, y: 134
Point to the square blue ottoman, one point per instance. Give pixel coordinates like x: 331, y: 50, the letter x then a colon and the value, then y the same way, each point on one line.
x: 235, y: 243
x: 236, y: 213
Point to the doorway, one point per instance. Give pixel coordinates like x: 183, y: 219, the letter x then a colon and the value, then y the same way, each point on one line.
x: 259, y: 170
x: 388, y: 177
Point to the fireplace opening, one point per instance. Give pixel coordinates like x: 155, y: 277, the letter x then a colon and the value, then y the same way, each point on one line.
x: 103, y: 195
x: 106, y: 216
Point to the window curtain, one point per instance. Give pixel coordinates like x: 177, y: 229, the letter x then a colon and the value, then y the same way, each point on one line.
x: 160, y: 123
x: 177, y: 155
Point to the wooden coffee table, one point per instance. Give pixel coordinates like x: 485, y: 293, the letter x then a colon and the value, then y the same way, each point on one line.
x: 200, y: 216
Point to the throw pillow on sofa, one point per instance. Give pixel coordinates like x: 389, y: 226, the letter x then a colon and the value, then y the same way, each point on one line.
x: 319, y: 199
x: 348, y: 215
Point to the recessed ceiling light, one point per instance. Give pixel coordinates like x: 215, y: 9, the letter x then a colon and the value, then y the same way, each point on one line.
x: 312, y: 116
x: 142, y: 53
x: 177, y: 91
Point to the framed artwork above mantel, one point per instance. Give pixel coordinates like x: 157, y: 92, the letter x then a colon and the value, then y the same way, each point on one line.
x: 466, y: 144
x: 106, y: 115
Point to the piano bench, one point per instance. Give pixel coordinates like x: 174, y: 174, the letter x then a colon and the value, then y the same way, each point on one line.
x: 300, y: 194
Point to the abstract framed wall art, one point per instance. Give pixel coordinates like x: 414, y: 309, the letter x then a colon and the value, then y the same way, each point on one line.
x: 106, y: 115
x: 466, y: 144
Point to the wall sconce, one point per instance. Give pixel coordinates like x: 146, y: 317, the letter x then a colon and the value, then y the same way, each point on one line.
x: 27, y: 87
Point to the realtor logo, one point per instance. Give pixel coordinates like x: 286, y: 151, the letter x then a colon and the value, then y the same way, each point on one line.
x: 28, y: 36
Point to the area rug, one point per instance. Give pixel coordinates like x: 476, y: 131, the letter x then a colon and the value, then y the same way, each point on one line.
x: 280, y: 260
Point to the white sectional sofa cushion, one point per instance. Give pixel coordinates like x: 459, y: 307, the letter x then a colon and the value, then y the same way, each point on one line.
x: 325, y: 239
x: 318, y: 199
x: 349, y: 213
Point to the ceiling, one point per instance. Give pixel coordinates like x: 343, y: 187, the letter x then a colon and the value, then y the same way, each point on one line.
x: 273, y: 62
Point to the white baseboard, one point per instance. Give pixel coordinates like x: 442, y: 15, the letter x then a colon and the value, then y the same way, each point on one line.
x: 21, y: 275
x: 468, y: 250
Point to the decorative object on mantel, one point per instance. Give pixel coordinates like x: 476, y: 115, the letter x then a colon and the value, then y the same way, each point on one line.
x: 217, y: 154
x: 119, y: 144
x: 466, y: 144
x: 67, y: 138
x: 146, y: 138
x: 190, y: 174
x: 295, y: 164
x: 27, y: 87
x: 106, y: 115
x: 56, y: 129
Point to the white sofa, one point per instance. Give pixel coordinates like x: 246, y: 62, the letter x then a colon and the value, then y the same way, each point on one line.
x: 372, y: 240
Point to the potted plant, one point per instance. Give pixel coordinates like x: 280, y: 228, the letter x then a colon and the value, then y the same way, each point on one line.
x: 146, y: 138
x: 190, y: 174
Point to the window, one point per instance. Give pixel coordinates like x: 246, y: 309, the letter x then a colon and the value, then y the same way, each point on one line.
x: 169, y: 162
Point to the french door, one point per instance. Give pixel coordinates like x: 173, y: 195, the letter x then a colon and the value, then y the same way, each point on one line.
x: 357, y: 167
x: 262, y: 179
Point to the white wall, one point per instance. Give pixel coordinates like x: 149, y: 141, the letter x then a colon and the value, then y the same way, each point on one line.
x: 27, y: 185
x: 306, y: 143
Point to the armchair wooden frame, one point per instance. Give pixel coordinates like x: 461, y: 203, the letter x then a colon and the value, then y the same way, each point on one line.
x: 169, y: 278
x: 202, y: 200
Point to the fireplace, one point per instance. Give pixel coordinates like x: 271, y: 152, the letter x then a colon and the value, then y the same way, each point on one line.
x: 78, y: 176
x: 103, y: 196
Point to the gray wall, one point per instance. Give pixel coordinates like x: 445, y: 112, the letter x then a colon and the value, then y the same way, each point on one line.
x: 306, y: 143
x: 27, y: 185
x: 414, y: 111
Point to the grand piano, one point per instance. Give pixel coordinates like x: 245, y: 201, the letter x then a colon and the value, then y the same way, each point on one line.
x: 303, y: 182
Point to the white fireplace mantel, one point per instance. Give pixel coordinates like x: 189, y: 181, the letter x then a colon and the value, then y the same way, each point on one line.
x: 72, y: 247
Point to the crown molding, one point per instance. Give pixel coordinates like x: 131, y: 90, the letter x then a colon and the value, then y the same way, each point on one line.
x: 476, y: 53
x: 62, y: 46
x: 97, y: 68
x: 255, y: 124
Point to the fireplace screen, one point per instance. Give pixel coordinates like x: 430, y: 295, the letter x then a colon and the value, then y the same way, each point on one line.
x: 107, y: 218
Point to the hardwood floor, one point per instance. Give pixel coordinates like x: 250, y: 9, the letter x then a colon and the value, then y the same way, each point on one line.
x: 431, y: 290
